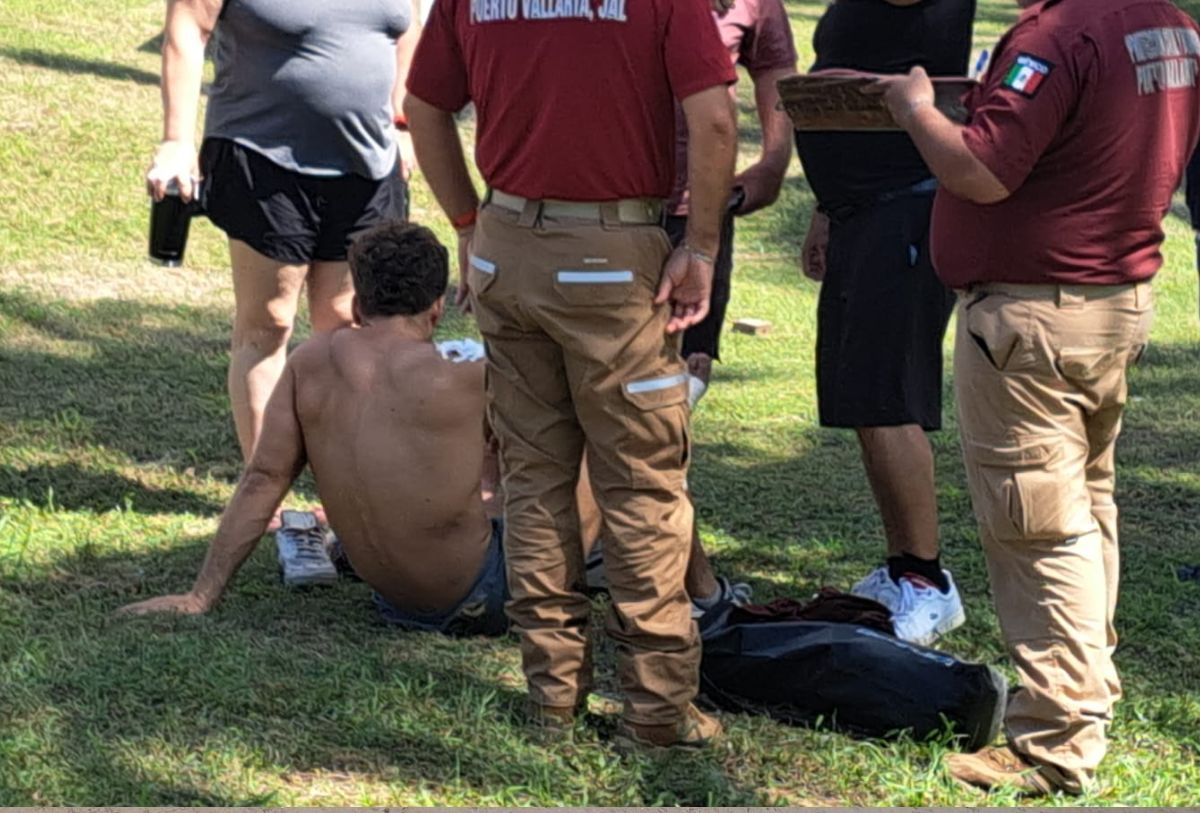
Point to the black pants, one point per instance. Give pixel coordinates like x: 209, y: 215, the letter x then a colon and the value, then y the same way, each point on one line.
x: 705, y: 337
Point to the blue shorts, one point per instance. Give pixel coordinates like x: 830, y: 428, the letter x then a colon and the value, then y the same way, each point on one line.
x: 481, y: 612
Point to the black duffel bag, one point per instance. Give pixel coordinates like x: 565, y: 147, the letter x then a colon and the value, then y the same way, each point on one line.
x: 849, y: 678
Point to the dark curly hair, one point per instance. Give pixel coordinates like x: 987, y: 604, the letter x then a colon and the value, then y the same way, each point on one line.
x: 399, y: 269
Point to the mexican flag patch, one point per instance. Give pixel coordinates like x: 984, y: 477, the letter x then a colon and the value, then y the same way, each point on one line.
x: 1026, y: 75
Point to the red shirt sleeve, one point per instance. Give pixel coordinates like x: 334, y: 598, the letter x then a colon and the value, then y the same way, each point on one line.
x: 771, y: 46
x: 438, y: 74
x: 1031, y: 89
x: 695, y: 57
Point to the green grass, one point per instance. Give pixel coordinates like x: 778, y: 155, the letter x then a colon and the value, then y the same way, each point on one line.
x: 116, y: 456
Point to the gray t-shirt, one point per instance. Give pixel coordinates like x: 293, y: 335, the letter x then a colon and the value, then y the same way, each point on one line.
x: 308, y: 83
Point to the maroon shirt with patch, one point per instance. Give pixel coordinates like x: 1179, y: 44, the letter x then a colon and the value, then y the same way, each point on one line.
x: 758, y: 36
x: 574, y: 99
x: 1088, y: 115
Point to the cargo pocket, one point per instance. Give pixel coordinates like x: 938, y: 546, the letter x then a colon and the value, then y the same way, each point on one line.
x: 595, y: 288
x: 1020, y: 494
x: 656, y: 445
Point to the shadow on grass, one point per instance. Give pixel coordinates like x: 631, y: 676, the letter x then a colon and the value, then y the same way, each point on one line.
x: 274, y: 693
x: 147, y: 380
x: 65, y: 63
x: 75, y: 488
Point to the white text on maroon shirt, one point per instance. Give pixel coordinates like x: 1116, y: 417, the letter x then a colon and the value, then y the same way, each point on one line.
x: 1164, y: 58
x: 495, y: 11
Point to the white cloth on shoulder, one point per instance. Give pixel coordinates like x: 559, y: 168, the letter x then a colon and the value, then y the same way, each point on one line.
x: 460, y: 350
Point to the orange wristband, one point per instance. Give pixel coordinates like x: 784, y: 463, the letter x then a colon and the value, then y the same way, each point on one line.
x: 465, y: 220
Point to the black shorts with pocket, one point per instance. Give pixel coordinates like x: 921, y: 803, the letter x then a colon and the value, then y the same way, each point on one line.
x: 288, y: 216
x: 881, y: 319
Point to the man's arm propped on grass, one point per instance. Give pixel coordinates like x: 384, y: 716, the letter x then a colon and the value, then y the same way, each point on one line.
x: 278, y: 460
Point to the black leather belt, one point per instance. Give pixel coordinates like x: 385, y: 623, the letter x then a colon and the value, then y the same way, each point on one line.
x: 843, y: 212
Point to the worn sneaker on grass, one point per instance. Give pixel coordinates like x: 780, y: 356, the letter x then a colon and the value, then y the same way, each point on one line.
x: 921, y: 613
x: 300, y: 543
x: 696, y: 730
x: 999, y: 767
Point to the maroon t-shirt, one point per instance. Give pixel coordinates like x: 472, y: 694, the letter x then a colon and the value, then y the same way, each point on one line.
x: 758, y: 36
x: 574, y: 99
x: 1088, y: 115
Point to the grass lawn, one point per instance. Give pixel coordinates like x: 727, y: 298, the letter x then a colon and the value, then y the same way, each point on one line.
x: 117, y: 454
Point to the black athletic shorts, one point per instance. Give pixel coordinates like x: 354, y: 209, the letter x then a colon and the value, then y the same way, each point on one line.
x: 705, y: 337
x: 288, y: 216
x: 881, y: 319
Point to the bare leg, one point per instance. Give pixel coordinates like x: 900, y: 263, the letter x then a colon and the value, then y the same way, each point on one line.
x: 701, y: 581
x: 265, y: 293
x: 330, y: 296
x: 330, y: 306
x: 591, y: 526
x: 899, y: 464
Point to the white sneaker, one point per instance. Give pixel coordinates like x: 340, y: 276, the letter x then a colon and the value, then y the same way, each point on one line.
x: 300, y: 543
x: 878, y: 586
x: 696, y: 389
x: 924, y: 612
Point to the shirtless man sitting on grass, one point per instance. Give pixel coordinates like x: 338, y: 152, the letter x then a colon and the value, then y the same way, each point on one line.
x: 394, y: 434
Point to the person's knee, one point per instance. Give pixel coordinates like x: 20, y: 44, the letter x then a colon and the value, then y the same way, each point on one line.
x: 266, y: 330
x: 330, y: 296
x: 329, y: 314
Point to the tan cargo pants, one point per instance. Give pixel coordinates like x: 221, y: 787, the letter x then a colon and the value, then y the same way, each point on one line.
x: 1040, y: 382
x: 578, y: 358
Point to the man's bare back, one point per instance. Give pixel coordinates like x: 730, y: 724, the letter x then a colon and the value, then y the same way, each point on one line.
x: 394, y: 435
x: 395, y: 438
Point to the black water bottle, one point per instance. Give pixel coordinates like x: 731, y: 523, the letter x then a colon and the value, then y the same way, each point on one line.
x: 170, y: 219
